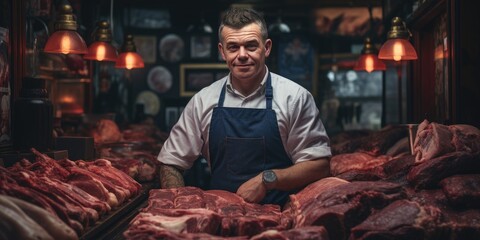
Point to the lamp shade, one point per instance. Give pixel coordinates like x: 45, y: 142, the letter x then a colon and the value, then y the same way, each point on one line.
x: 368, y: 60
x: 128, y: 58
x: 65, y: 42
x: 101, y: 49
x: 397, y: 47
x: 65, y: 39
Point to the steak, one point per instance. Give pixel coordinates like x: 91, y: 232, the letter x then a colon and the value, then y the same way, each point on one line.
x: 344, y: 206
x: 401, y: 219
x: 429, y: 173
x: 303, y: 233
x: 462, y: 191
x: 356, y: 161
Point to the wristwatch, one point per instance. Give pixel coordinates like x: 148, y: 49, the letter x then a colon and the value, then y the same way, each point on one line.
x: 269, y: 178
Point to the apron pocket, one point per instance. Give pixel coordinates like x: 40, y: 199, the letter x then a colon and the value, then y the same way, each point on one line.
x: 245, y: 156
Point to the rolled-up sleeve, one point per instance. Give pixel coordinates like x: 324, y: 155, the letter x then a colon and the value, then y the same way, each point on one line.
x: 184, y: 145
x: 307, y: 138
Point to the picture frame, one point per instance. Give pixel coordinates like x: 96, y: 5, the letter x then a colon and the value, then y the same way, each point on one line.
x: 297, y: 61
x: 201, y: 46
x: 195, y: 76
x: 148, y: 18
x: 146, y: 47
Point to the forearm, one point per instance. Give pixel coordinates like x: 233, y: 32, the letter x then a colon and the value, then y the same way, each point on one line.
x: 170, y: 176
x: 302, y: 174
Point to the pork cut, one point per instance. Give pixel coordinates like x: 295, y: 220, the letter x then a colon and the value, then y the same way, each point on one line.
x: 433, y: 140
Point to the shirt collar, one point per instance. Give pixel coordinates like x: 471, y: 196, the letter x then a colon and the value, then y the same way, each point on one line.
x: 260, y: 88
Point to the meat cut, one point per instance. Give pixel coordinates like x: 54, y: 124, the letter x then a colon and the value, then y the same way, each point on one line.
x: 79, y: 193
x: 215, y: 212
x: 433, y: 140
x: 401, y: 219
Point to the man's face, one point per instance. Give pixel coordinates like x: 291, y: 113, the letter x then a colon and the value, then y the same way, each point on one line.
x: 245, y: 52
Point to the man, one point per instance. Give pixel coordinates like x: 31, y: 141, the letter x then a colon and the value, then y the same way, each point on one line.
x: 260, y: 133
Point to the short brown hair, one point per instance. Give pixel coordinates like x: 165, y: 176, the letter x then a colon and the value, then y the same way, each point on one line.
x: 237, y: 18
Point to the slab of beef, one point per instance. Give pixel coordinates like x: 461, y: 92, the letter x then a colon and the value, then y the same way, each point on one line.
x: 456, y: 223
x: 396, y: 170
x: 340, y: 208
x: 376, y: 143
x: 16, y: 224
x: 221, y: 213
x: 39, y: 199
x: 433, y: 140
x: 356, y: 161
x: 48, y: 221
x: 401, y: 219
x: 147, y: 231
x: 400, y: 148
x: 429, y: 173
x: 462, y: 191
x: 104, y: 168
x: 310, y: 193
x: 197, y: 220
x: 374, y: 174
x: 302, y: 233
x: 106, y: 131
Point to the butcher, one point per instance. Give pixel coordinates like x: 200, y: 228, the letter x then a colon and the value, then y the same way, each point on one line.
x: 260, y: 132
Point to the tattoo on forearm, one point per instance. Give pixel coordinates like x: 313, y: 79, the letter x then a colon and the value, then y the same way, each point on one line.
x: 170, y: 177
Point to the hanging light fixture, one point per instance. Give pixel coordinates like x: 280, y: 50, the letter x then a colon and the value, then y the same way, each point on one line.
x: 65, y: 39
x: 128, y: 58
x: 397, y: 47
x: 368, y: 60
x: 101, y: 49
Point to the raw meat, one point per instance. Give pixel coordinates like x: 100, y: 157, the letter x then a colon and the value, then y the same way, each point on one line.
x: 356, y: 161
x: 51, y: 223
x: 462, y: 191
x: 429, y: 173
x: 376, y: 143
x: 344, y: 206
x: 106, y: 131
x: 402, y: 219
x: 433, y: 140
x: 303, y: 233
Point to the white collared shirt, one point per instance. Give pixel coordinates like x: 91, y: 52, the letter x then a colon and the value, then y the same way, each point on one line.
x: 302, y: 132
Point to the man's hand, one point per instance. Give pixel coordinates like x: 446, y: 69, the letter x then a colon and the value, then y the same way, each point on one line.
x: 253, y: 190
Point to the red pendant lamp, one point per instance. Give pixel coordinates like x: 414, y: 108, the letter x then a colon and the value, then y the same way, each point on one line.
x: 65, y: 39
x: 368, y: 60
x: 101, y: 49
x: 128, y: 58
x: 397, y: 47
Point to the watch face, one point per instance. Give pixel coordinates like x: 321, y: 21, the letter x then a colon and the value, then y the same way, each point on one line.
x: 269, y: 176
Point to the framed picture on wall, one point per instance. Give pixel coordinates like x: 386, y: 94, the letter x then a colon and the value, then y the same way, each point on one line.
x: 148, y: 18
x: 194, y: 77
x: 146, y: 47
x: 201, y: 46
x: 297, y: 61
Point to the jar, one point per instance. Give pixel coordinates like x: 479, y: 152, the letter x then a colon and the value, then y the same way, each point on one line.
x: 33, y: 117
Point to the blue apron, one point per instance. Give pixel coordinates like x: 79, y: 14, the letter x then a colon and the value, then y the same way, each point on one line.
x: 243, y: 143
